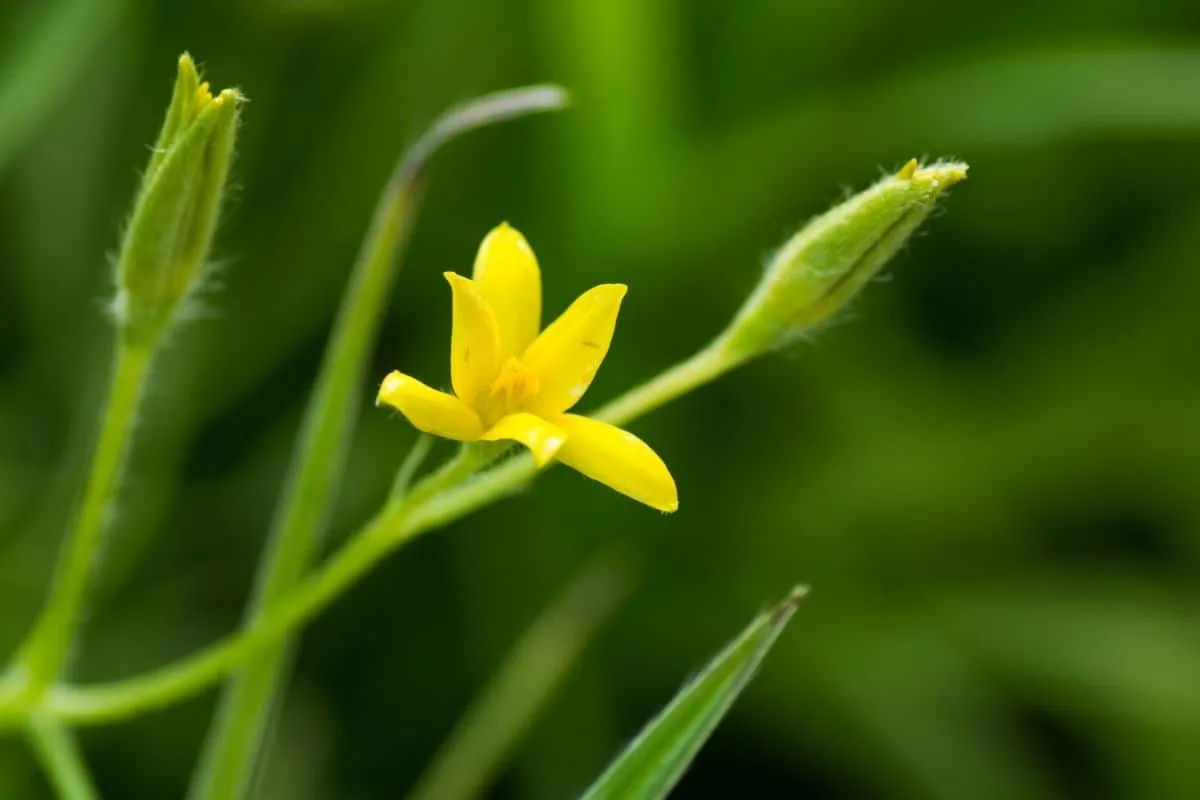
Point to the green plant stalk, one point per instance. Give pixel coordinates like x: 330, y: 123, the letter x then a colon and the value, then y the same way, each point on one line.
x: 232, y: 747
x: 528, y: 678
x: 59, y: 755
x: 46, y: 650
x: 412, y: 462
x: 169, y: 684
x: 168, y: 237
x: 237, y: 738
x: 448, y: 494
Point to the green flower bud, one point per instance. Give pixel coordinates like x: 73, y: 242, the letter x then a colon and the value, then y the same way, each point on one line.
x: 175, y: 215
x: 824, y: 265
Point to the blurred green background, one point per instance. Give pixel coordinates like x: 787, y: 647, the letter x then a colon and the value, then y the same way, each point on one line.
x: 987, y: 470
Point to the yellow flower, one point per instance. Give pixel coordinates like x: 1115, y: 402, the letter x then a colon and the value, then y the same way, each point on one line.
x: 513, y: 383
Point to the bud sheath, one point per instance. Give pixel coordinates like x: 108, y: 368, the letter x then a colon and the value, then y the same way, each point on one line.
x: 174, y: 218
x: 825, y: 264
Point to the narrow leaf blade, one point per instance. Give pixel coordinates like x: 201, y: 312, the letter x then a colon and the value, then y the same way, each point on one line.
x: 654, y: 762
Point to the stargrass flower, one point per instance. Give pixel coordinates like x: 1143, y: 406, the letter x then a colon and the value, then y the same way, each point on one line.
x: 513, y: 383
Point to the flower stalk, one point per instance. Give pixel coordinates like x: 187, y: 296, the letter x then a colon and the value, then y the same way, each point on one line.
x: 168, y: 238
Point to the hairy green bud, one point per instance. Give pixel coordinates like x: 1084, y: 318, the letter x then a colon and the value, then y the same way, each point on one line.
x: 175, y: 215
x: 825, y: 264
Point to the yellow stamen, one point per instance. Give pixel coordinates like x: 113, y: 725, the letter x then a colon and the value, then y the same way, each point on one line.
x: 516, y: 384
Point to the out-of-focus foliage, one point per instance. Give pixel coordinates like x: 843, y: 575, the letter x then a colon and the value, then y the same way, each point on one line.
x: 987, y: 472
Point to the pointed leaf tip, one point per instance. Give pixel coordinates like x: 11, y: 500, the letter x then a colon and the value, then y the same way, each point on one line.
x: 655, y: 761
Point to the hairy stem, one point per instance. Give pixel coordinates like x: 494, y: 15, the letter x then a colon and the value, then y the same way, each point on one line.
x: 48, y: 646
x: 385, y: 532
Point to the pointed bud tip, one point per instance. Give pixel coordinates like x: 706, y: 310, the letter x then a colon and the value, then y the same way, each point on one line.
x: 228, y: 97
x: 175, y: 214
x: 787, y: 606
x: 939, y: 175
x: 828, y: 261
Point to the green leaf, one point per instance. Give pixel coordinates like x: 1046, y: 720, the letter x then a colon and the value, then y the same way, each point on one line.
x: 654, y: 762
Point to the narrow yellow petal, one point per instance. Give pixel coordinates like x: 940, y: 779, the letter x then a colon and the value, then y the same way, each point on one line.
x: 618, y: 459
x: 567, y: 354
x: 474, y: 345
x: 430, y: 410
x: 542, y: 438
x: 507, y: 275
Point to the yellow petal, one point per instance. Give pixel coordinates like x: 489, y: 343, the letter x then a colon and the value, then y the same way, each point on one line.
x: 542, y: 438
x: 430, y: 410
x: 474, y: 345
x: 507, y: 275
x: 567, y: 354
x: 618, y: 459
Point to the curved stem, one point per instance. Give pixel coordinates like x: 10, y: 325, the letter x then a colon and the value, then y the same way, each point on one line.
x: 382, y: 534
x: 166, y: 685
x: 238, y: 734
x: 443, y: 497
x: 48, y: 645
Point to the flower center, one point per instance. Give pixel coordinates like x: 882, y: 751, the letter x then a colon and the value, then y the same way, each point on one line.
x: 513, y: 387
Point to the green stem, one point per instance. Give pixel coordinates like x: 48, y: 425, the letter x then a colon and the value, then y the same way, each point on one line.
x: 236, y: 737
x: 412, y: 462
x: 160, y: 687
x: 59, y: 755
x: 234, y: 743
x: 48, y: 645
x: 443, y: 497
x: 706, y: 365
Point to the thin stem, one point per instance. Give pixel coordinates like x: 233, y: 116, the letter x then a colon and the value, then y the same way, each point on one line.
x: 49, y: 643
x: 412, y: 462
x: 686, y: 376
x: 235, y: 739
x: 59, y: 755
x: 448, y: 494
x: 169, y: 684
x: 234, y: 742
x: 160, y: 687
x: 704, y: 366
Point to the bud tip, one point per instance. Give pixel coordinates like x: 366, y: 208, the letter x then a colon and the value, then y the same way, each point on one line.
x: 938, y: 175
